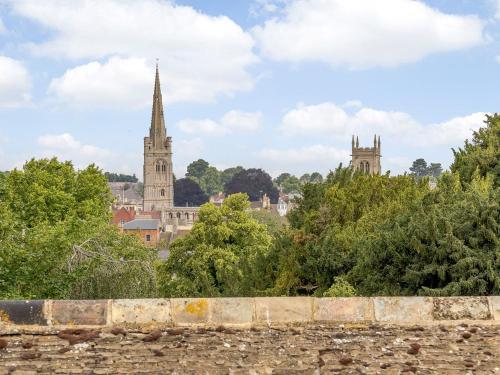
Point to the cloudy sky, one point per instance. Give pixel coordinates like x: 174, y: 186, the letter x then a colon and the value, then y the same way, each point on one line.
x: 276, y: 84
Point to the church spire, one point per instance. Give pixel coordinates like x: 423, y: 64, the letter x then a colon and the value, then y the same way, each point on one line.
x: 157, y: 132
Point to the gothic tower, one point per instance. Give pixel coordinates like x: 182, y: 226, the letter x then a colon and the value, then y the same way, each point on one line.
x: 366, y: 159
x: 158, y: 174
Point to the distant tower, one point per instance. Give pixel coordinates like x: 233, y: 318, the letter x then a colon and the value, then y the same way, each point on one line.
x: 366, y: 159
x: 158, y: 175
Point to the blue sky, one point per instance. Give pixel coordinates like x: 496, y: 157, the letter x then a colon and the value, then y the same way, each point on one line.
x: 276, y: 84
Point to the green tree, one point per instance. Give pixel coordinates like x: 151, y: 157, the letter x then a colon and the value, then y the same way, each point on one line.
x: 291, y: 185
x: 223, y: 255
x: 434, y: 170
x: 419, y: 168
x: 282, y: 177
x: 255, y: 183
x: 305, y: 178
x: 197, y: 169
x: 445, y: 243
x: 227, y: 174
x: 188, y: 192
x: 481, y: 153
x: 340, y: 288
x: 316, y: 177
x: 210, y: 182
x: 48, y: 211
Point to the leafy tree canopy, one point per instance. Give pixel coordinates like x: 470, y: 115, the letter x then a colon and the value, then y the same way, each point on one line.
x: 114, y: 177
x: 420, y: 169
x: 56, y: 240
x: 481, y: 153
x: 255, y: 183
x: 197, y: 169
x: 188, y: 193
x: 223, y: 255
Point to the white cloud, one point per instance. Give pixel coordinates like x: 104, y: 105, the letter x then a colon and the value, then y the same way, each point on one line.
x: 201, y: 56
x: 66, y: 147
x: 15, y: 83
x: 497, y: 59
x: 328, y: 118
x: 497, y: 4
x: 299, y: 160
x: 118, y: 82
x: 365, y: 34
x: 232, y: 121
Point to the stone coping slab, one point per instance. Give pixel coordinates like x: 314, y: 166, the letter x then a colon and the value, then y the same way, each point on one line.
x: 249, y: 311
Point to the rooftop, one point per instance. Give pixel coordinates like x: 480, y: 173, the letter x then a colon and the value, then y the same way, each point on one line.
x: 143, y: 224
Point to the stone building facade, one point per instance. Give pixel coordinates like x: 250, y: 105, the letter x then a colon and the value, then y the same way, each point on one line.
x: 158, y: 169
x: 366, y: 159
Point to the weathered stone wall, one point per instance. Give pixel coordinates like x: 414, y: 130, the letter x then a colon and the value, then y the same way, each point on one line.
x: 249, y: 311
x: 301, y: 335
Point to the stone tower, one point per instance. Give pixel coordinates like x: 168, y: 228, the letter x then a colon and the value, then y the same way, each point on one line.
x: 366, y: 159
x: 158, y: 174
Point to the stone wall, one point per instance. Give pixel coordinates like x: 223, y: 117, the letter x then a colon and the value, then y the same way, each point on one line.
x: 249, y: 311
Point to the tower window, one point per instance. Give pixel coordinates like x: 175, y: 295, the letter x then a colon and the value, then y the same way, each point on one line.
x: 163, y: 168
x: 162, y: 192
x: 367, y: 167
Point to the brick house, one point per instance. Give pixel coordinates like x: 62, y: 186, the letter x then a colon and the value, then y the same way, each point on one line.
x: 123, y: 215
x: 148, y: 230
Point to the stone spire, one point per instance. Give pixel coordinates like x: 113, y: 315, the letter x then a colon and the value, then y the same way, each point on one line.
x: 157, y: 132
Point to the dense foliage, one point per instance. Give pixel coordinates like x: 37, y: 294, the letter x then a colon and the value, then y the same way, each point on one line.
x: 253, y: 182
x: 481, y: 154
x: 420, y: 169
x: 210, y: 179
x: 188, y: 193
x: 56, y: 240
x: 224, y: 255
x: 289, y: 183
x: 349, y: 234
x: 115, y: 177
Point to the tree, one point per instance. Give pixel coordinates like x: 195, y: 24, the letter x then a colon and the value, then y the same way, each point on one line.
x: 223, y: 255
x: 227, y: 174
x: 197, y: 169
x: 114, y: 177
x: 282, y: 177
x: 255, y: 183
x: 434, y: 170
x: 188, y: 193
x: 482, y: 153
x: 316, y: 177
x: 305, y: 178
x: 48, y: 211
x: 419, y: 168
x: 210, y: 182
x: 291, y: 185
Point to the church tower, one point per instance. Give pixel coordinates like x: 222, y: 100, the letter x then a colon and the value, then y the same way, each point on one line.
x: 158, y: 170
x: 366, y: 159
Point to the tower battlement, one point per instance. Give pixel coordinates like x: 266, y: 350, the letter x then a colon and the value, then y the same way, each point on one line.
x: 366, y: 159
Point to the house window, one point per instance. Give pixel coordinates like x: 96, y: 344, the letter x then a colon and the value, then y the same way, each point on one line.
x: 122, y: 221
x: 148, y: 238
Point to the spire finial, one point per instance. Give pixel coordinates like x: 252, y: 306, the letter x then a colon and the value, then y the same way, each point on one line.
x: 357, y: 141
